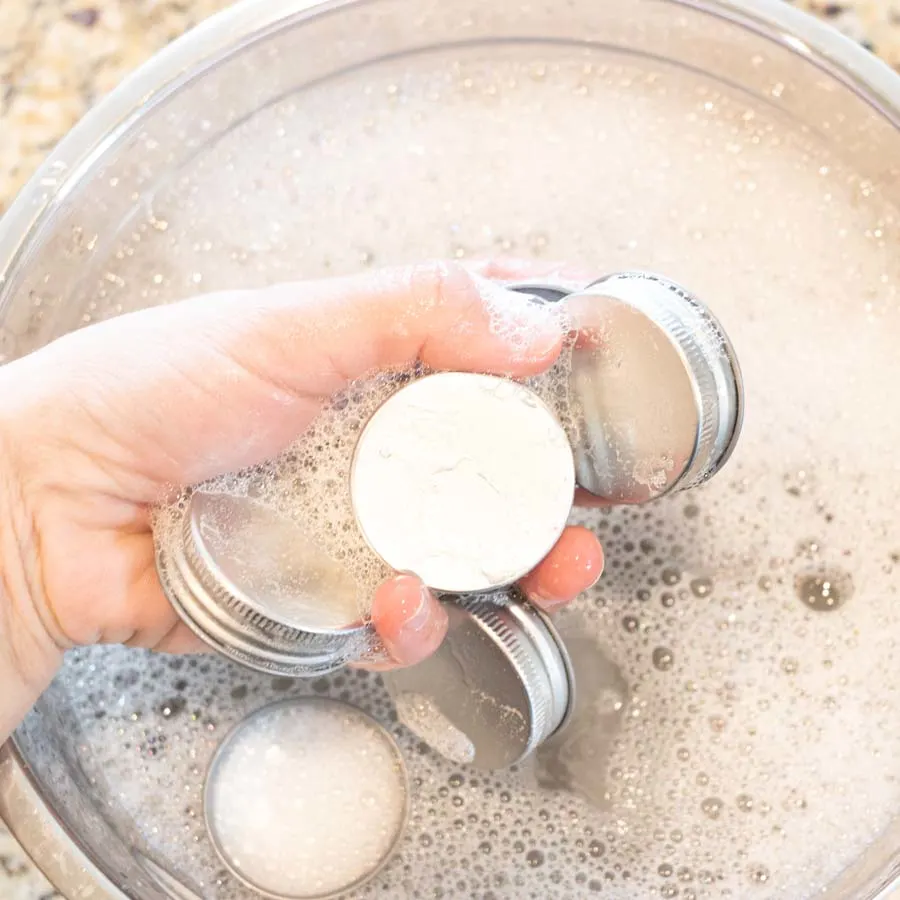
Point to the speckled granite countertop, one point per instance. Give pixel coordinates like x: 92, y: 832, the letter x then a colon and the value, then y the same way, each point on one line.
x: 58, y: 57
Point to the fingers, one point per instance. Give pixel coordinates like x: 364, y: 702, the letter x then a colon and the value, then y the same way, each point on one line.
x: 181, y: 640
x: 409, y: 620
x: 437, y: 313
x: 508, y: 269
x: 588, y: 500
x: 572, y: 566
x: 139, y: 614
x: 181, y: 393
x: 412, y: 623
x: 584, y: 319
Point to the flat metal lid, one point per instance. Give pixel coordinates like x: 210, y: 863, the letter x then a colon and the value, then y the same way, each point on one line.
x: 656, y: 383
x: 466, y: 480
x: 270, y: 564
x: 306, y: 799
x: 252, y: 584
x: 498, y: 686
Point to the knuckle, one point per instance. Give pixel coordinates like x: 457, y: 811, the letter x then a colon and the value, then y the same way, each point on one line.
x: 441, y: 283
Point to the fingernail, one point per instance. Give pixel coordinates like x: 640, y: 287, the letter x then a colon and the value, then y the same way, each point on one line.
x: 550, y: 604
x: 596, y: 567
x: 424, y: 620
x: 538, y: 597
x: 600, y: 570
x: 416, y: 620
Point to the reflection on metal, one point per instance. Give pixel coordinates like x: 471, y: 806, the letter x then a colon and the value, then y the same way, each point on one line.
x: 656, y: 385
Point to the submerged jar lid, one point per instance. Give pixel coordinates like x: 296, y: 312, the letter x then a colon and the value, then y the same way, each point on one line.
x: 306, y: 799
x: 499, y: 685
x: 657, y: 386
x: 253, y: 585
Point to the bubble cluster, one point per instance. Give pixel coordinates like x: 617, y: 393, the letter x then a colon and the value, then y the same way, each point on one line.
x: 306, y: 798
x: 734, y: 740
x: 308, y: 485
x: 421, y: 715
x: 824, y: 591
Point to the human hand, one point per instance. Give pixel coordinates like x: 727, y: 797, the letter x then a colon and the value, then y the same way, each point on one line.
x: 100, y: 425
x: 558, y: 274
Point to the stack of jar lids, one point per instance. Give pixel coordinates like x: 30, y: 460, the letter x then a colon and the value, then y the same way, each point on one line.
x: 656, y: 383
x: 251, y: 583
x: 658, y: 407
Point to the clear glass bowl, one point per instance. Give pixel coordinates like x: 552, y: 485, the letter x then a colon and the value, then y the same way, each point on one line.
x: 71, y: 246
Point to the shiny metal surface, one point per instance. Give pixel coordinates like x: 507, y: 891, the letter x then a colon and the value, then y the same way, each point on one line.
x: 252, y: 585
x: 657, y: 382
x: 71, y: 173
x: 502, y: 677
x: 658, y: 385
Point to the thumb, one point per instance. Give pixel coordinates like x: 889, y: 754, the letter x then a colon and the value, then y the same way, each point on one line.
x: 213, y: 384
x: 409, y: 619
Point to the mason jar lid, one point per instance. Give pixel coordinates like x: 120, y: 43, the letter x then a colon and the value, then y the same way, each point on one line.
x: 499, y: 685
x: 254, y: 586
x: 656, y: 385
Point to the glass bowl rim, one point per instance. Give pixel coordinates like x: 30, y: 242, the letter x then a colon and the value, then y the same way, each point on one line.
x: 228, y: 30
x: 27, y: 814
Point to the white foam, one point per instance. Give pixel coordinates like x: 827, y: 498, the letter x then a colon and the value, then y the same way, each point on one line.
x: 767, y: 741
x: 306, y: 798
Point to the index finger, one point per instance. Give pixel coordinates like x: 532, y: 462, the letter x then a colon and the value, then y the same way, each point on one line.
x: 573, y: 276
x: 568, y: 276
x: 220, y: 382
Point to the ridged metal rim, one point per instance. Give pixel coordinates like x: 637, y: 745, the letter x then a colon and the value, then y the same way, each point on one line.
x: 525, y: 635
x: 717, y: 379
x: 559, y: 646
x: 25, y: 810
x: 220, y: 623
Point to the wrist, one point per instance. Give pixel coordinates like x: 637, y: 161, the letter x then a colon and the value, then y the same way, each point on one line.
x: 29, y: 658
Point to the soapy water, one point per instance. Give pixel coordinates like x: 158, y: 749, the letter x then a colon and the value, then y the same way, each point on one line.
x: 331, y: 782
x: 422, y: 716
x: 744, y: 735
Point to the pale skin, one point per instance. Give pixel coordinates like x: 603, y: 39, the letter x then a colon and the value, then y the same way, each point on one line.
x: 102, y: 424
